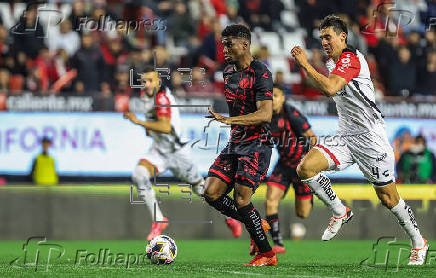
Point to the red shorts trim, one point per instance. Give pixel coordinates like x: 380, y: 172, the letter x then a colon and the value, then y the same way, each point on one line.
x: 329, y: 153
x: 148, y: 161
x: 244, y: 178
x: 221, y: 175
x: 281, y: 186
x: 303, y: 197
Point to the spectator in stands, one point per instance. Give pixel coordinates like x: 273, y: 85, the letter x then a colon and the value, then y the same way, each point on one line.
x: 4, y: 80
x: 122, y: 84
x: 177, y: 87
x: 279, y: 81
x: 426, y: 77
x: 402, y: 74
x: 28, y: 33
x: 200, y: 84
x: 114, y: 55
x: 4, y: 42
x: 418, y: 164
x: 67, y: 39
x: 263, y: 55
x: 211, y: 51
x: 35, y: 82
x: 232, y: 15
x: 78, y: 15
x: 90, y: 66
x: 43, y: 168
x: 180, y: 25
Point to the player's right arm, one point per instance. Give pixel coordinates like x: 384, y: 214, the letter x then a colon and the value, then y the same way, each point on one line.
x: 347, y: 68
x: 163, y: 123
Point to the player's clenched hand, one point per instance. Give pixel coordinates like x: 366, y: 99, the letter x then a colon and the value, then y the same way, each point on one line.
x: 220, y: 118
x: 130, y: 116
x: 299, y: 55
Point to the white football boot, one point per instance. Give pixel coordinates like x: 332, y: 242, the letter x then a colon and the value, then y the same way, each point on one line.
x: 336, y: 224
x: 418, y: 255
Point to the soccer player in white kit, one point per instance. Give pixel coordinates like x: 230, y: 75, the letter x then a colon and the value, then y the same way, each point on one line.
x: 166, y: 152
x: 361, y: 133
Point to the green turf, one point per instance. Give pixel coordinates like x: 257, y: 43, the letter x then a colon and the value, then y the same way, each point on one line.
x: 213, y: 258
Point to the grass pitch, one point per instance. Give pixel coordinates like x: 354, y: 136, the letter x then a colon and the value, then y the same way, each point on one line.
x: 210, y: 258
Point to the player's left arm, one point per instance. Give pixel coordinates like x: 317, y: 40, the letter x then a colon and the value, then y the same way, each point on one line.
x: 163, y: 123
x: 263, y: 87
x: 262, y: 115
x: 329, y: 86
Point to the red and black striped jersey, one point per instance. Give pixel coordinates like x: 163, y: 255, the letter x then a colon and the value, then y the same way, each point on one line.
x: 242, y: 90
x: 287, y: 128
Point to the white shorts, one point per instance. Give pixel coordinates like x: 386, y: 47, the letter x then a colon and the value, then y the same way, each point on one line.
x: 371, y: 151
x: 180, y: 163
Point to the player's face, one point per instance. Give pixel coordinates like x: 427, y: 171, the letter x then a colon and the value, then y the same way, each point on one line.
x: 150, y: 81
x: 233, y: 49
x: 332, y: 43
x: 278, y: 100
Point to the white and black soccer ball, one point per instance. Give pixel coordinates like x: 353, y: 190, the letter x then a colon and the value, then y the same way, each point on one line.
x: 161, y: 250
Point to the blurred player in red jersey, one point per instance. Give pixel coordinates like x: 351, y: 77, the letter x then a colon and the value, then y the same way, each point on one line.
x: 292, y: 133
x: 244, y: 162
x: 362, y: 134
x: 167, y: 151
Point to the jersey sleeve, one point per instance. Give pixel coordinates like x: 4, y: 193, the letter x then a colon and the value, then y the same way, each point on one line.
x: 298, y: 121
x: 348, y: 66
x: 263, y: 85
x: 162, y: 99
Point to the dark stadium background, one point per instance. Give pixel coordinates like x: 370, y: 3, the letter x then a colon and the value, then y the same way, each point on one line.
x: 52, y: 85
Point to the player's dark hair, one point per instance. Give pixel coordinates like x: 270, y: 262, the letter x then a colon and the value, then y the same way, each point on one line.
x: 148, y: 68
x: 334, y: 21
x: 237, y: 31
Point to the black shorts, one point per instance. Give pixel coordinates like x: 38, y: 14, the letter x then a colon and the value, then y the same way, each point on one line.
x: 247, y: 166
x: 282, y: 177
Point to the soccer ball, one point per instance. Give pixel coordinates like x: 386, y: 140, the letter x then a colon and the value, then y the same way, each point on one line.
x: 161, y: 250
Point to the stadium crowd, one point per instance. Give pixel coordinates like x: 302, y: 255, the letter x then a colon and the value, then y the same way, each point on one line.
x: 88, y: 54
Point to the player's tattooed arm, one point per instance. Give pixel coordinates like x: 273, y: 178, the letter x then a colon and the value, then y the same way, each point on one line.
x: 262, y: 115
x: 163, y: 124
x: 329, y: 86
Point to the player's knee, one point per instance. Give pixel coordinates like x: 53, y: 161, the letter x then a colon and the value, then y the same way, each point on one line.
x: 140, y: 174
x: 304, y: 171
x: 302, y: 213
x: 388, y: 200
x: 211, y: 194
x: 271, y: 204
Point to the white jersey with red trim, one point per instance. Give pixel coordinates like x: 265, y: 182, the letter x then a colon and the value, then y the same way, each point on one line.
x: 163, y: 142
x: 355, y: 102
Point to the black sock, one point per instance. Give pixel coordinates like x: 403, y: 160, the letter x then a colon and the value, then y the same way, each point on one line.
x: 226, y: 206
x: 273, y: 221
x: 251, y: 218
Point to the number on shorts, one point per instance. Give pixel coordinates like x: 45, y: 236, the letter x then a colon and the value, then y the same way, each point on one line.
x: 376, y: 172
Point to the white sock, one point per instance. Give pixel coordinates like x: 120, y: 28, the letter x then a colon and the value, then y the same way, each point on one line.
x: 406, y: 218
x: 321, y: 186
x: 141, y: 178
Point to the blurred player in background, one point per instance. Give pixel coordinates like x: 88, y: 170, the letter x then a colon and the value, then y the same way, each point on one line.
x: 362, y: 136
x: 291, y: 130
x: 244, y: 162
x: 167, y: 152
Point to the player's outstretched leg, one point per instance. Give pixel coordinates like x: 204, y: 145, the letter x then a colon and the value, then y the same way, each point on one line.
x: 215, y: 195
x: 309, y: 170
x: 253, y: 222
x: 390, y: 198
x: 273, y: 197
x: 234, y: 226
x: 141, y: 178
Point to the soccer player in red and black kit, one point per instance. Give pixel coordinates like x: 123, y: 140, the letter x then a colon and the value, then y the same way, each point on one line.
x: 244, y: 162
x: 293, y: 137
